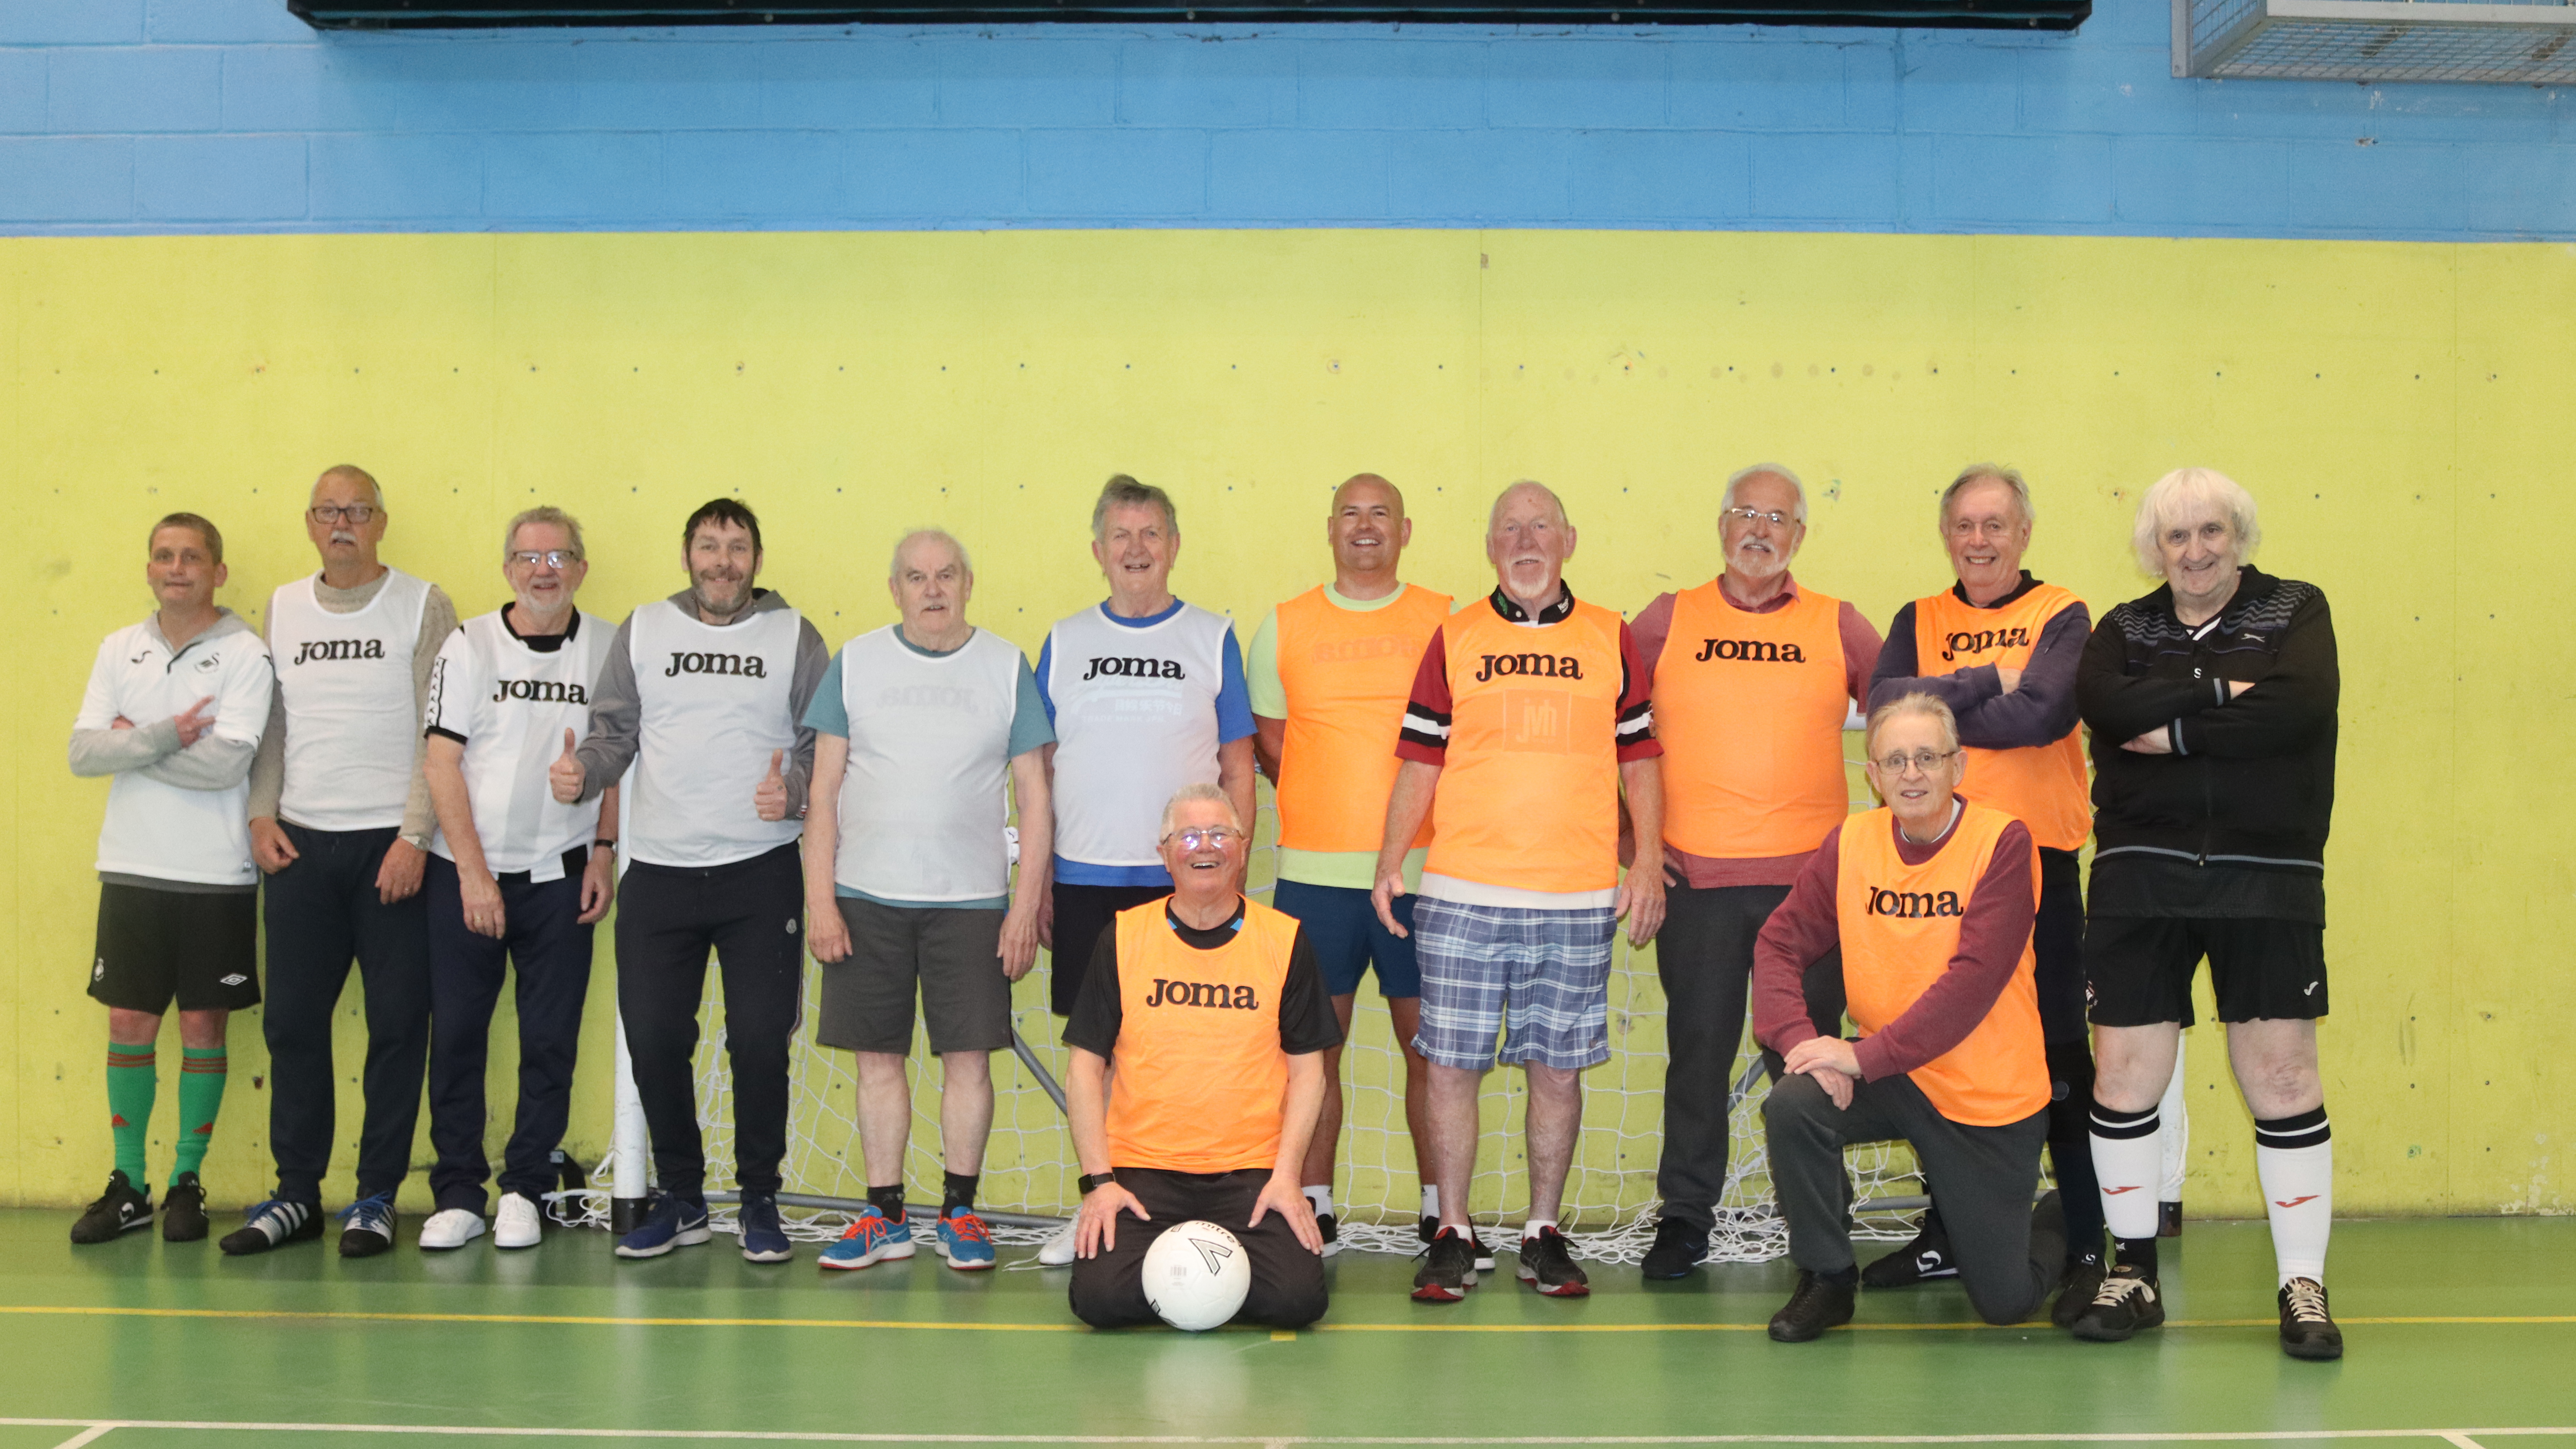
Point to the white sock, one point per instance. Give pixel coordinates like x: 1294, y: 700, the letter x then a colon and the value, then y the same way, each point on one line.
x: 2294, y: 1159
x: 2126, y: 1161
x: 1431, y: 1203
x: 1322, y: 1198
x: 1530, y: 1229
x: 2173, y: 1139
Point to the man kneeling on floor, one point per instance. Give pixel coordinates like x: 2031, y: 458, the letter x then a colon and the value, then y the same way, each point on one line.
x: 1214, y: 1012
x: 1931, y: 898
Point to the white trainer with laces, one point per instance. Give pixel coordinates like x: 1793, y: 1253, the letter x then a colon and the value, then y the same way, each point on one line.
x: 518, y: 1224
x: 452, y: 1228
x: 1058, y: 1250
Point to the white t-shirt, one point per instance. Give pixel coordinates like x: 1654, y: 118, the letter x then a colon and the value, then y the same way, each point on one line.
x: 714, y: 703
x: 509, y: 705
x: 155, y: 829
x: 352, y: 721
x: 923, y: 804
x: 1135, y: 720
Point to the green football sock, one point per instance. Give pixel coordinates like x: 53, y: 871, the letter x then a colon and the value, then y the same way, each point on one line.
x: 201, y: 1096
x: 131, y: 1082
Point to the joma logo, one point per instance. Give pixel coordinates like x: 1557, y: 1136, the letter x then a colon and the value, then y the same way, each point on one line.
x: 1913, y: 905
x: 1098, y: 667
x: 1759, y: 651
x: 1980, y: 641
x: 1539, y: 666
x: 317, y: 651
x: 750, y: 666
x: 1203, y: 993
x: 542, y: 691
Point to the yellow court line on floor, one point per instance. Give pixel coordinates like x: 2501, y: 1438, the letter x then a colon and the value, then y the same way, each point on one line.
x: 574, y: 1320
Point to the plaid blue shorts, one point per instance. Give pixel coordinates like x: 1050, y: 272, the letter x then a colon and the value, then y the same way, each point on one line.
x: 1540, y: 978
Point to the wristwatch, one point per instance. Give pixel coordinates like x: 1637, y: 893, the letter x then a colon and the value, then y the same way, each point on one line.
x: 1090, y: 1180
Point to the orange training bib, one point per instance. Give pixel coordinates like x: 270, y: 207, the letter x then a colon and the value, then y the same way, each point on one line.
x: 1347, y: 674
x: 1529, y: 797
x: 1200, y: 1079
x: 1750, y: 708
x: 2042, y: 785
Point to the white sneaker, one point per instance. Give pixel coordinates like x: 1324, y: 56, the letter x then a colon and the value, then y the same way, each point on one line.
x: 453, y: 1228
x: 1058, y: 1250
x: 519, y: 1224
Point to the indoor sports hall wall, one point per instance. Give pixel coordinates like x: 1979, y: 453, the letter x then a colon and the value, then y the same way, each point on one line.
x: 2392, y: 406
x: 877, y: 278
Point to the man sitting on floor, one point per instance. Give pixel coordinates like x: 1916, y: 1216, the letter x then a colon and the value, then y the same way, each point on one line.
x: 1214, y: 1012
x: 1930, y: 898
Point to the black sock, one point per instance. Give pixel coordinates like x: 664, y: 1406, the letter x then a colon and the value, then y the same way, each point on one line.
x: 889, y: 1201
x: 2138, y: 1253
x: 957, y: 1193
x: 1847, y: 1278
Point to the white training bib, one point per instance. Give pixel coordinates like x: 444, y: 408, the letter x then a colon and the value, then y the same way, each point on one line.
x: 923, y: 804
x: 715, y: 703
x: 1135, y: 720
x: 155, y: 829
x: 511, y: 704
x: 352, y: 721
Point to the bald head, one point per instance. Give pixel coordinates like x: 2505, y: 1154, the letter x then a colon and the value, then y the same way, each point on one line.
x: 1514, y: 497
x: 1369, y: 485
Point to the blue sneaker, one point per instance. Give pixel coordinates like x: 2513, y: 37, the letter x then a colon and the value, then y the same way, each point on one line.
x: 763, y: 1240
x: 870, y: 1240
x: 965, y: 1242
x: 671, y: 1224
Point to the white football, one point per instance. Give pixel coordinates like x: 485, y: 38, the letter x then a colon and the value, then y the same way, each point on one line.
x: 1196, y: 1276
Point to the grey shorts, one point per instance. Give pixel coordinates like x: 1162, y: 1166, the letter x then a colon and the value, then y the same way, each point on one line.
x: 953, y: 957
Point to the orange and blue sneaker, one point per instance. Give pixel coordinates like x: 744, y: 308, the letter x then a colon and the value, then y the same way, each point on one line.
x: 871, y: 1239
x: 964, y: 1241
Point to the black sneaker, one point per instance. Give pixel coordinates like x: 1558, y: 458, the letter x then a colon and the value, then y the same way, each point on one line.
x: 370, y: 1226
x: 1448, y: 1269
x: 2169, y: 1220
x: 1331, y: 1234
x: 2307, y: 1330
x: 1547, y: 1264
x: 2127, y: 1301
x: 1817, y: 1304
x: 1430, y: 1229
x: 1678, y: 1248
x: 275, y: 1223
x: 1927, y: 1257
x: 2076, y: 1287
x: 119, y: 1210
x: 183, y: 1210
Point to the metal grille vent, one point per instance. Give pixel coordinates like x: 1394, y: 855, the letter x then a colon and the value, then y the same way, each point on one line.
x: 2525, y: 42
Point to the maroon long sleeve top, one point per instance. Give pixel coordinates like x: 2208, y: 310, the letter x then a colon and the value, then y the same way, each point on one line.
x: 1992, y: 936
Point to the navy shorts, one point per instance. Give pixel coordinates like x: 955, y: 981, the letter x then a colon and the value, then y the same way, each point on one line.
x: 1342, y: 928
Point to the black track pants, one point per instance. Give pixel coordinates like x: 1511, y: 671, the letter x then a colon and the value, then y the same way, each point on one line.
x: 668, y: 919
x: 1983, y: 1177
x: 1287, y: 1280
x: 1704, y: 957
x: 321, y: 910
x: 549, y: 949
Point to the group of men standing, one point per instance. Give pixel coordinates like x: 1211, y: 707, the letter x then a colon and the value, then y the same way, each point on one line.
x: 1471, y: 799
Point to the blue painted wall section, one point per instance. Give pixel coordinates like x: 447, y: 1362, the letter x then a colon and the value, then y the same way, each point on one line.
x: 230, y: 115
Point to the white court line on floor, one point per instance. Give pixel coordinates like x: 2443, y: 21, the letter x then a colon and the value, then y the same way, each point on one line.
x: 98, y: 1428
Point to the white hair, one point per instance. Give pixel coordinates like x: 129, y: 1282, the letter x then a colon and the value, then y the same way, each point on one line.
x: 965, y: 565
x: 1989, y: 472
x: 542, y: 513
x: 1736, y: 479
x: 2169, y: 496
x: 1494, y: 514
x: 1929, y: 706
x: 1199, y: 791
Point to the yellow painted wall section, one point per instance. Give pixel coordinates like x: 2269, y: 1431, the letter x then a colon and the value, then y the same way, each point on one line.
x: 2398, y: 410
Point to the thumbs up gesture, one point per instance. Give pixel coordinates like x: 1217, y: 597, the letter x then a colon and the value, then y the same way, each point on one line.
x: 566, y: 774
x: 769, y: 797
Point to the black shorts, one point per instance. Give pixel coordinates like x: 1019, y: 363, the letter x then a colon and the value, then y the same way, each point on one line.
x: 952, y: 955
x: 156, y: 946
x: 2138, y: 969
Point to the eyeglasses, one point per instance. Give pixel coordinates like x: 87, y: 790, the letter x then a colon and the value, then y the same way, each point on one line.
x: 358, y: 513
x: 1759, y: 515
x: 1924, y: 760
x: 1212, y: 837
x: 553, y: 558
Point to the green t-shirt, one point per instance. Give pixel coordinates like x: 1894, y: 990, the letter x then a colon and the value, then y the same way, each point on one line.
x: 1355, y: 869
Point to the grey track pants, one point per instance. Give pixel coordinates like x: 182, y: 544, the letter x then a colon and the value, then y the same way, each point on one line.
x: 1983, y: 1178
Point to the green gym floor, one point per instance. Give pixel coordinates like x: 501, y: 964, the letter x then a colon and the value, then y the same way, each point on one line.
x: 2458, y: 1330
